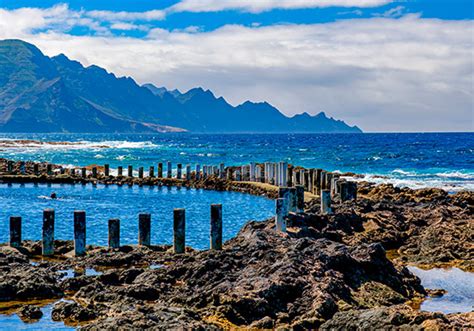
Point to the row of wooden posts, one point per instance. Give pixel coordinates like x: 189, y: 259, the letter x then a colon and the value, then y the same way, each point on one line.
x: 144, y: 231
x: 290, y: 200
x: 280, y: 174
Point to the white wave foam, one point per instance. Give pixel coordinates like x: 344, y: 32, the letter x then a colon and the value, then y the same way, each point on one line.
x: 456, y: 174
x: 30, y: 145
x: 416, y: 183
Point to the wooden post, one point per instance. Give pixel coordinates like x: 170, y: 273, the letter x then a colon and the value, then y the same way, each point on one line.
x: 284, y: 193
x: 15, y: 231
x: 179, y: 228
x: 221, y: 171
x: 79, y: 232
x: 83, y: 172
x: 106, y: 170
x: 160, y: 170
x: 144, y: 229
x: 326, y: 202
x: 293, y: 200
x: 119, y: 171
x: 169, y: 170
x: 151, y: 172
x: 48, y: 232
x: 130, y: 171
x: 94, y: 172
x: 188, y: 172
x: 198, y: 171
x: 140, y: 172
x: 114, y: 233
x: 49, y: 169
x: 179, y: 171
x: 299, y: 198
x: 281, y: 206
x: 216, y: 227
x: 36, y: 169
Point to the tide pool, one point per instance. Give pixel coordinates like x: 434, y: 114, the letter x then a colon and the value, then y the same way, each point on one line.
x: 125, y: 203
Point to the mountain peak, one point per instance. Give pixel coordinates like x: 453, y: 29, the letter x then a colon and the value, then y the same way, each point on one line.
x: 61, y: 94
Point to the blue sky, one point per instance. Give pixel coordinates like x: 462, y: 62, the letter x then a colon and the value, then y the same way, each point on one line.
x: 373, y: 63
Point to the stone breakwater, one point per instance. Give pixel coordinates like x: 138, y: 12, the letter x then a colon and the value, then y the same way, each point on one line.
x: 327, y: 271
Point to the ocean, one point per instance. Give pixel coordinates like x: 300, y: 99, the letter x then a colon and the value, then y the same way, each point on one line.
x: 415, y: 160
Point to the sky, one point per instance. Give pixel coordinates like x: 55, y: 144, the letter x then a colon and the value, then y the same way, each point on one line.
x: 383, y: 65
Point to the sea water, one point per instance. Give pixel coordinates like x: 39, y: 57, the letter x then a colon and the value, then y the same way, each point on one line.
x: 416, y: 160
x: 125, y: 203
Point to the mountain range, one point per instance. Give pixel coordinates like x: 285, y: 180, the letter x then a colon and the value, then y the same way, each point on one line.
x: 55, y: 94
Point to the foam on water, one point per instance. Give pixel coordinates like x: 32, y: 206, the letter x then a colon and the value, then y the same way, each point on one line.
x: 443, y: 160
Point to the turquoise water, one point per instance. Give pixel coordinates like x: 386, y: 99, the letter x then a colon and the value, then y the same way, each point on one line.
x: 458, y: 284
x: 104, y: 202
x: 415, y: 160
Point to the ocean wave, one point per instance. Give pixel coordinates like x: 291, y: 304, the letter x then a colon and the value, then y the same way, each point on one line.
x: 456, y: 174
x: 30, y: 145
x: 419, y: 183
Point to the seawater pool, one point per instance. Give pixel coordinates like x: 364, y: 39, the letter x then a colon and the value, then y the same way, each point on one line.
x: 458, y: 284
x: 104, y: 202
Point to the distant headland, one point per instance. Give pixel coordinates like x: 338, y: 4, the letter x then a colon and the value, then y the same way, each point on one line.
x: 43, y: 94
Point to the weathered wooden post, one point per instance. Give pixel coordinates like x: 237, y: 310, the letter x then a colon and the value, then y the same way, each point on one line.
x: 258, y: 174
x: 302, y: 172
x: 107, y: 170
x: 151, y: 172
x: 216, y: 226
x: 252, y: 171
x: 338, y: 189
x: 140, y: 172
x: 221, y: 171
x: 198, y: 172
x: 179, y: 228
x: 94, y: 172
x: 322, y: 182
x: 311, y: 180
x: 49, y: 169
x: 36, y: 169
x: 48, y: 232
x: 160, y: 170
x: 114, y: 233
x: 22, y: 168
x: 293, y: 200
x: 334, y: 180
x: 83, y: 172
x: 317, y: 182
x: 284, y: 193
x: 326, y: 202
x: 79, y: 232
x: 306, y: 181
x: 10, y: 167
x: 281, y: 206
x: 238, y: 177
x: 290, y: 181
x: 144, y: 229
x: 329, y: 176
x: 299, y: 198
x: 352, y: 191
x: 169, y: 170
x: 188, y: 172
x: 72, y: 172
x: 348, y: 191
x: 15, y: 231
x: 130, y: 171
x: 119, y: 171
x: 179, y: 171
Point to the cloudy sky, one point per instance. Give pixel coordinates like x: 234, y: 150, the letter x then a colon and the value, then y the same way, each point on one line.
x: 380, y: 64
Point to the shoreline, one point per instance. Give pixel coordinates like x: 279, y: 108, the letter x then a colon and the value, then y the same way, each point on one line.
x: 327, y: 271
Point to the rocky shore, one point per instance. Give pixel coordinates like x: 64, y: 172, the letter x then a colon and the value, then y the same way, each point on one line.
x: 341, y: 271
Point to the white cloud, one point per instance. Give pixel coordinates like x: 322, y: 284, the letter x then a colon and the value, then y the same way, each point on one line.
x: 151, y: 15
x: 394, y: 12
x: 128, y: 26
x: 257, y: 6
x: 406, y: 74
